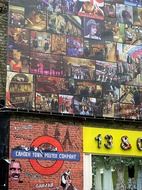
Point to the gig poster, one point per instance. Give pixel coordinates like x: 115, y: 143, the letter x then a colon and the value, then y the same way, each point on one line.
x: 75, y: 57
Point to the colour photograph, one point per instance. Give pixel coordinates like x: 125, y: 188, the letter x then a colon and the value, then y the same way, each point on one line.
x: 106, y: 72
x: 40, y: 41
x: 48, y: 65
x: 18, y: 38
x: 47, y: 102
x: 18, y: 61
x: 58, y: 44
x: 66, y: 104
x: 93, y: 29
x: 16, y: 16
x: 87, y: 106
x: 35, y: 18
x: 63, y: 24
x: 91, y: 9
x: 78, y: 68
x: 133, y: 35
x: 74, y: 46
x: 88, y: 89
x: 20, y: 91
x: 52, y: 85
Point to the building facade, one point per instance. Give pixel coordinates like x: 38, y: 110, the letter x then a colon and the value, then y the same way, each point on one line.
x: 112, y: 158
x: 67, y: 68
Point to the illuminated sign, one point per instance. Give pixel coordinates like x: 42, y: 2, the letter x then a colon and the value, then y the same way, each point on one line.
x: 112, y: 141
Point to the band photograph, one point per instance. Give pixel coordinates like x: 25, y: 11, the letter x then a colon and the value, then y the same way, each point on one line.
x: 88, y: 89
x: 87, y: 106
x: 79, y: 69
x: 40, y: 41
x: 46, y: 102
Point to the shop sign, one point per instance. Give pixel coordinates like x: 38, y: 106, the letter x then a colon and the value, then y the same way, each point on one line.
x: 112, y: 141
x: 68, y: 156
x: 34, y: 153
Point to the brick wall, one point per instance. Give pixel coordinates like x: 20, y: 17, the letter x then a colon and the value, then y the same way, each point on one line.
x: 3, y: 50
x: 24, y: 131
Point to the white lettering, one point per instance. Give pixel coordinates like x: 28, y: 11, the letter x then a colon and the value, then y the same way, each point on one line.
x: 50, y: 155
x: 23, y: 154
x: 67, y: 156
x: 37, y: 155
x: 47, y: 185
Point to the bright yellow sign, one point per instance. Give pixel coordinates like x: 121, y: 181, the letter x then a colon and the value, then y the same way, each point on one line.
x: 112, y: 141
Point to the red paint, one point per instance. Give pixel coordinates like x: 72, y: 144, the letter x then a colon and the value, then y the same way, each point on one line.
x: 56, y: 166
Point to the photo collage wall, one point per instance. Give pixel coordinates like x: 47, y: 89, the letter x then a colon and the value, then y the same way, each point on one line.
x: 75, y: 57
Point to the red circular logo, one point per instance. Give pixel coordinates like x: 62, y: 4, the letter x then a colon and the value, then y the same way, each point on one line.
x: 53, y: 168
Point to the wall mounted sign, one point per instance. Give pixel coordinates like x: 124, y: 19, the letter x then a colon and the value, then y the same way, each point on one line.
x: 112, y: 141
x: 35, y: 153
